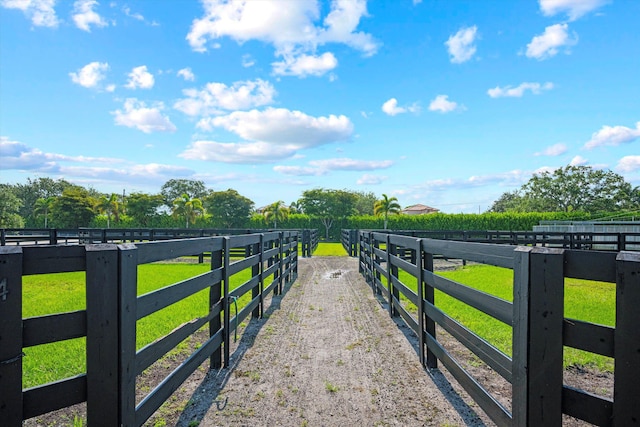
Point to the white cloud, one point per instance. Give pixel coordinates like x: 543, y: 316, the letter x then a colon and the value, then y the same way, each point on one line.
x: 351, y: 164
x: 613, y: 136
x: 90, y: 75
x: 578, y: 161
x: 248, y: 61
x: 41, y: 12
x: 243, y: 152
x: 84, y: 16
x: 140, y: 78
x: 305, y: 65
x: 461, y: 45
x: 136, y: 15
x: 299, y: 170
x: 391, y: 107
x: 518, y: 91
x: 147, y: 119
x: 295, y: 32
x: 573, y: 8
x: 368, y: 179
x: 187, y: 74
x: 284, y: 127
x: 553, y: 150
x: 629, y: 164
x: 548, y: 43
x: 442, y: 104
x: 215, y: 98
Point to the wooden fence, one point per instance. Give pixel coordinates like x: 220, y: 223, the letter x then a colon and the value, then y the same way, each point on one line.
x: 53, y: 236
x: 607, y: 241
x: 540, y: 331
x: 109, y: 321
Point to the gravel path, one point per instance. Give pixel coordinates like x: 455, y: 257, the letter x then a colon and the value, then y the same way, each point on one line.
x: 326, y: 354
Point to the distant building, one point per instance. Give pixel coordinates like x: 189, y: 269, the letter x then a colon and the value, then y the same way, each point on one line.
x: 419, y: 210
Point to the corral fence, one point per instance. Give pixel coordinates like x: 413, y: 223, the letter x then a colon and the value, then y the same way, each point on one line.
x: 603, y: 241
x: 113, y: 309
x: 539, y: 328
x: 52, y: 236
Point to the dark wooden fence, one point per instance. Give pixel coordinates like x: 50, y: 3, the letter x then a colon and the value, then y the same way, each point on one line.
x: 540, y: 331
x: 603, y: 241
x: 109, y: 321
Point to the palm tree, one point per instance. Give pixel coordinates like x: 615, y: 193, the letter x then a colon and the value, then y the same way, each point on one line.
x: 42, y: 207
x: 187, y: 207
x: 276, y: 211
x: 109, y: 206
x: 386, y: 206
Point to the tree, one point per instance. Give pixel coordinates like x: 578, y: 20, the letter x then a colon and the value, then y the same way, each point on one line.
x: 276, y: 211
x: 187, y: 207
x: 143, y: 207
x: 43, y: 207
x: 109, y: 206
x: 9, y: 208
x: 228, y: 208
x: 295, y: 208
x: 386, y: 206
x: 175, y: 188
x: 572, y: 188
x: 365, y: 203
x: 73, y: 209
x: 39, y: 188
x: 328, y: 205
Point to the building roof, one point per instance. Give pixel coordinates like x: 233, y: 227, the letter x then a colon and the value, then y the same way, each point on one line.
x: 420, y: 208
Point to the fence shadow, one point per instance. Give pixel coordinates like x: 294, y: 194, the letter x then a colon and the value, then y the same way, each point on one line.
x: 206, y: 395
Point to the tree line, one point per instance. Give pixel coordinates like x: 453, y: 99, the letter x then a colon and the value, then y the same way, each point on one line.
x: 572, y: 192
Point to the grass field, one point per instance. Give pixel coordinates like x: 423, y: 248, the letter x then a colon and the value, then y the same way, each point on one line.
x: 330, y: 249
x: 584, y: 300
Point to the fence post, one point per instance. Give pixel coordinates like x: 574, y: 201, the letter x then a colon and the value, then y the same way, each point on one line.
x: 537, y: 336
x: 102, y: 333
x: 11, y: 335
x: 389, y: 287
x: 428, y: 295
x: 281, y: 262
x: 127, y: 290
x: 225, y: 299
x: 255, y: 249
x: 215, y: 296
x: 626, y: 388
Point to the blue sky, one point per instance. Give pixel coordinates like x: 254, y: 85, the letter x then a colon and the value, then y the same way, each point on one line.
x: 444, y: 103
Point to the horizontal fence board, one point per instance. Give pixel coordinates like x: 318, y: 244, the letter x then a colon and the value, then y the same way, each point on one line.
x: 243, y: 240
x: 53, y: 259
x: 588, y: 336
x: 489, y: 304
x: 382, y: 287
x: 157, y: 300
x: 245, y: 287
x: 411, y: 322
x: 404, y: 290
x: 498, y: 413
x: 404, y: 241
x: 270, y: 253
x: 590, y: 265
x: 270, y: 287
x: 151, y: 353
x: 163, y: 391
x: 53, y: 328
x: 271, y: 270
x: 498, y: 255
x: 159, y: 251
x: 498, y: 361
x: 53, y: 396
x: 244, y: 312
x: 243, y: 264
x: 410, y: 268
x: 587, y: 407
x: 379, y: 252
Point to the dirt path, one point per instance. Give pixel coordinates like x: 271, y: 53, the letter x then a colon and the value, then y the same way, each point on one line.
x: 326, y: 353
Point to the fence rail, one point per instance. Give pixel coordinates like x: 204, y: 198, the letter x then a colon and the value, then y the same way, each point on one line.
x: 113, y: 309
x: 602, y: 241
x: 539, y: 396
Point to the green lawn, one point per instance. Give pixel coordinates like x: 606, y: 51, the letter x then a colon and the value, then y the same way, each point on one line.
x: 62, y: 292
x: 330, y: 249
x: 584, y: 300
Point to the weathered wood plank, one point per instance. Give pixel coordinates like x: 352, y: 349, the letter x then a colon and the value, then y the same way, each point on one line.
x: 53, y: 396
x: 54, y: 327
x: 589, y: 337
x: 245, y: 287
x: 11, y: 399
x: 404, y: 290
x: 587, y: 407
x: 243, y: 264
x: 498, y: 255
x: 161, y: 250
x: 53, y: 259
x: 590, y: 265
x: 626, y: 389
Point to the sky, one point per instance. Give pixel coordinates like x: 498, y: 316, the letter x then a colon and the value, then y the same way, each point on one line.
x: 444, y: 103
